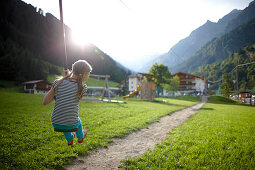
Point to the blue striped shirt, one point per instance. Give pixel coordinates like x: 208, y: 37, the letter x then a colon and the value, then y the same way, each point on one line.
x: 66, y: 109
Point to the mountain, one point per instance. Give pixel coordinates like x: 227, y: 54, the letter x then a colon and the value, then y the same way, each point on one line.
x: 236, y: 36
x: 186, y: 47
x: 180, y: 53
x: 30, y: 46
x: 246, y: 73
x: 246, y: 15
x: 219, y: 48
x: 147, y: 60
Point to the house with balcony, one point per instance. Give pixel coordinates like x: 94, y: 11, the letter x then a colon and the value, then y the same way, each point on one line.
x: 37, y: 86
x: 190, y: 84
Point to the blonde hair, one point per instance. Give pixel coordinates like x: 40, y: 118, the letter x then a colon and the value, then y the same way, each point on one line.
x: 79, y: 68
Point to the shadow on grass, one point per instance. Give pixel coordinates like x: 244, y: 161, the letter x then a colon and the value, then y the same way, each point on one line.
x: 164, y: 103
x: 186, y: 98
x: 206, y: 109
x: 163, y: 100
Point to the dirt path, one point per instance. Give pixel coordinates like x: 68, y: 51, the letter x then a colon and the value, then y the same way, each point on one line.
x: 134, y: 144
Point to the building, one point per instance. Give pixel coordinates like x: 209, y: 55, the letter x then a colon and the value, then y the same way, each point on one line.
x: 134, y: 81
x: 190, y: 83
x: 246, y: 94
x: 37, y: 86
x: 246, y: 97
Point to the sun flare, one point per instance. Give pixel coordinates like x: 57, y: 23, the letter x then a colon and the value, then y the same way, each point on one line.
x: 80, y: 37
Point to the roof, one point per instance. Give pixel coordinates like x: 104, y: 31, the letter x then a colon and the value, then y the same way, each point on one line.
x: 148, y: 75
x: 133, y: 76
x: 247, y: 92
x: 188, y: 74
x: 140, y: 75
x: 35, y: 81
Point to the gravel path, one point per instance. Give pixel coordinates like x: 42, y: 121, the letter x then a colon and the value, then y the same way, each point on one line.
x: 134, y: 144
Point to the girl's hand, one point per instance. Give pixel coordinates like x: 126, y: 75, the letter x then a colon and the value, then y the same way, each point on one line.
x: 66, y: 72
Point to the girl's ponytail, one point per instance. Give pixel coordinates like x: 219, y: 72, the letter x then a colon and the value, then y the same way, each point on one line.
x: 81, y: 88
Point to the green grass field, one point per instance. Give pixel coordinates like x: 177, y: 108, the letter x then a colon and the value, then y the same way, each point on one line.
x: 28, y: 140
x: 220, y: 136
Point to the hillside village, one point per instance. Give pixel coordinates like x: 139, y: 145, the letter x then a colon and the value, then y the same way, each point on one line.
x: 188, y: 85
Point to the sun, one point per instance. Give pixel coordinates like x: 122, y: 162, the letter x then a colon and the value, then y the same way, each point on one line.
x: 81, y: 37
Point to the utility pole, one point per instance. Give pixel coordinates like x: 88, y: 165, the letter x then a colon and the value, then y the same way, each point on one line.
x: 237, y: 80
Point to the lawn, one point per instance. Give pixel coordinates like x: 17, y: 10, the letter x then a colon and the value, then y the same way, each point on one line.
x: 29, y: 142
x: 220, y: 136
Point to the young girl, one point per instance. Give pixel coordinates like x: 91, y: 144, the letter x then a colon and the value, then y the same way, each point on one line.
x: 66, y: 93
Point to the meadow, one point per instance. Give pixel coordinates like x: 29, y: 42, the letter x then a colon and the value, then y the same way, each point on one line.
x: 28, y: 141
x: 221, y: 135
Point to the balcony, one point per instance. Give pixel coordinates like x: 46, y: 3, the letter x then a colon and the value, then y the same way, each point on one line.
x: 187, y: 85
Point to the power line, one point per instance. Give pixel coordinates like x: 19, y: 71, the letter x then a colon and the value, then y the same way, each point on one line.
x: 247, y: 63
x: 232, y: 71
x: 214, y: 81
x: 124, y: 4
x: 176, y: 54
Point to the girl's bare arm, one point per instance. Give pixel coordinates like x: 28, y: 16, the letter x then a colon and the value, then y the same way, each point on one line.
x: 49, y: 97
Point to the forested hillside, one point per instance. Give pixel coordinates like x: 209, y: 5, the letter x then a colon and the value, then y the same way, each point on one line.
x: 30, y: 46
x: 219, y: 49
x: 245, y: 16
x: 245, y: 73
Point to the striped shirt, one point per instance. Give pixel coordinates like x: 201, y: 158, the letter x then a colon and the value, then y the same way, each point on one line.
x: 66, y: 109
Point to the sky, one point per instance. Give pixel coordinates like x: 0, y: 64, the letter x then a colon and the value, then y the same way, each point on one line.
x: 130, y: 31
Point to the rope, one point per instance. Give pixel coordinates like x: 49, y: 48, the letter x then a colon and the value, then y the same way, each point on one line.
x: 63, y: 32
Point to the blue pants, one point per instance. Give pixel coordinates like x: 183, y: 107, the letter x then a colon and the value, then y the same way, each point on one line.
x: 69, y: 135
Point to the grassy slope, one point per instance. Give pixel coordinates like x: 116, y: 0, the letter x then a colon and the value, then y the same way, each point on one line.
x: 29, y: 142
x: 100, y: 82
x: 91, y: 81
x: 220, y: 136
